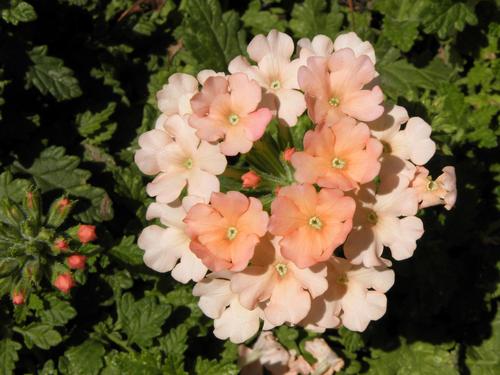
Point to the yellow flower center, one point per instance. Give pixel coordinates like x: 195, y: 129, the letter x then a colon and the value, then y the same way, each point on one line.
x: 233, y: 119
x: 188, y: 164
x: 315, y: 222
x: 275, y: 85
x: 432, y: 185
x: 338, y: 163
x: 231, y: 233
x: 334, y: 101
x: 372, y: 217
x: 281, y: 268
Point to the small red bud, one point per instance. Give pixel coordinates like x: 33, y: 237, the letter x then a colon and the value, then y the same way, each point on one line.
x: 86, y: 233
x: 63, y: 203
x: 250, y: 180
x: 61, y: 245
x: 64, y: 282
x: 18, y: 298
x: 287, y: 154
x: 76, y: 261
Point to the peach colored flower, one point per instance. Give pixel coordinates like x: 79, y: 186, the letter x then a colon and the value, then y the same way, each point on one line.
x: 321, y: 45
x: 412, y: 143
x: 266, y: 352
x: 333, y: 88
x: 225, y: 232
x: 205, y: 74
x: 167, y: 248
x: 341, y: 156
x: 76, y: 261
x: 275, y: 73
x: 64, y: 282
x: 231, y: 320
x: 327, y: 361
x: 355, y: 296
x: 226, y: 108
x: 250, y: 179
x: 442, y: 190
x: 186, y: 161
x: 174, y: 97
x: 383, y: 219
x: 312, y: 224
x: 272, y: 278
x: 86, y: 233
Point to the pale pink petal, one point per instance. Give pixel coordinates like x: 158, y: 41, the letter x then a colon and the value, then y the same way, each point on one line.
x: 162, y: 247
x: 418, y: 133
x: 212, y: 87
x: 236, y: 141
x: 291, y: 105
x: 255, y: 123
x: 207, y: 128
x: 171, y: 215
x: 449, y: 182
x: 245, y: 94
x: 237, y: 323
x: 174, y: 97
x: 205, y: 74
x: 189, y: 268
x: 389, y: 123
x: 151, y: 143
x: 215, y: 295
x: 184, y: 134
x: 362, y: 247
x: 255, y: 219
x: 410, y: 230
x: 288, y: 303
x: 166, y: 188
x: 312, y: 279
x: 209, y: 158
x: 352, y: 41
x: 380, y: 279
x: 202, y: 184
x: 364, y: 104
x: 278, y: 43
x: 361, y: 306
x: 253, y: 285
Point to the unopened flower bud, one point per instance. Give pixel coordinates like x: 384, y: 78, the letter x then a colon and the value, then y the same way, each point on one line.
x: 76, y: 261
x: 250, y: 180
x: 18, y: 298
x: 287, y: 154
x: 8, y: 266
x: 31, y: 271
x: 58, y: 212
x: 32, y: 204
x: 61, y: 244
x: 64, y: 282
x: 11, y: 212
x: 86, y: 233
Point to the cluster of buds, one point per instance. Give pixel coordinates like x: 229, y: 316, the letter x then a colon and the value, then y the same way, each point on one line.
x: 34, y: 246
x: 291, y: 222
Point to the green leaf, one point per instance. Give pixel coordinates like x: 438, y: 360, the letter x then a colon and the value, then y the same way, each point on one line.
x: 49, y: 75
x: 59, y: 314
x: 312, y: 17
x: 96, y: 127
x: 210, y: 36
x: 483, y: 359
x: 14, y: 189
x: 149, y: 22
x: 418, y: 358
x: 85, y: 359
x: 447, y: 17
x: 8, y: 356
x: 261, y: 21
x: 55, y: 170
x: 174, y: 344
x: 287, y: 336
x: 19, y: 11
x: 142, y: 320
x: 144, y: 363
x: 127, y: 251
x: 39, y: 334
x: 108, y: 75
x: 212, y: 367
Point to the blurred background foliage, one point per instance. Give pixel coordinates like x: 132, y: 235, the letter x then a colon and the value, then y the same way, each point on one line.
x: 77, y: 85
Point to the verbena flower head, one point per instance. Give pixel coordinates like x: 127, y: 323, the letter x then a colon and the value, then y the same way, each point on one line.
x: 291, y: 227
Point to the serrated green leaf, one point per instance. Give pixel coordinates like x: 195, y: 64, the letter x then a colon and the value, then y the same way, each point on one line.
x: 49, y: 75
x: 174, y: 344
x: 312, y: 18
x: 144, y: 363
x: 108, y: 75
x: 127, y: 251
x: 8, y: 356
x: 14, y: 189
x: 95, y: 126
x: 84, y: 359
x: 19, y: 11
x: 59, y: 313
x: 287, y: 336
x: 261, y: 21
x: 447, y: 17
x: 219, y: 43
x: 55, y: 170
x: 142, y: 320
x: 41, y: 335
x: 418, y: 358
x: 212, y: 367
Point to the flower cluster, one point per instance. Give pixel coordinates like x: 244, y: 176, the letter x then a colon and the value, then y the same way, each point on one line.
x: 302, y: 241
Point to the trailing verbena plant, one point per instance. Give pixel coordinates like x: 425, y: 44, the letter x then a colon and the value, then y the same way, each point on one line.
x: 78, y: 80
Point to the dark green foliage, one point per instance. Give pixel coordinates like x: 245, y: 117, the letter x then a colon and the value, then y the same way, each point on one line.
x: 77, y: 85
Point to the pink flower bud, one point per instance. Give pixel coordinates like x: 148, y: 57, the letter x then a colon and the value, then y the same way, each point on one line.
x: 64, y: 282
x: 86, y: 233
x: 18, y: 298
x: 63, y: 203
x: 76, y: 261
x: 61, y: 245
x: 287, y: 154
x: 250, y: 179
